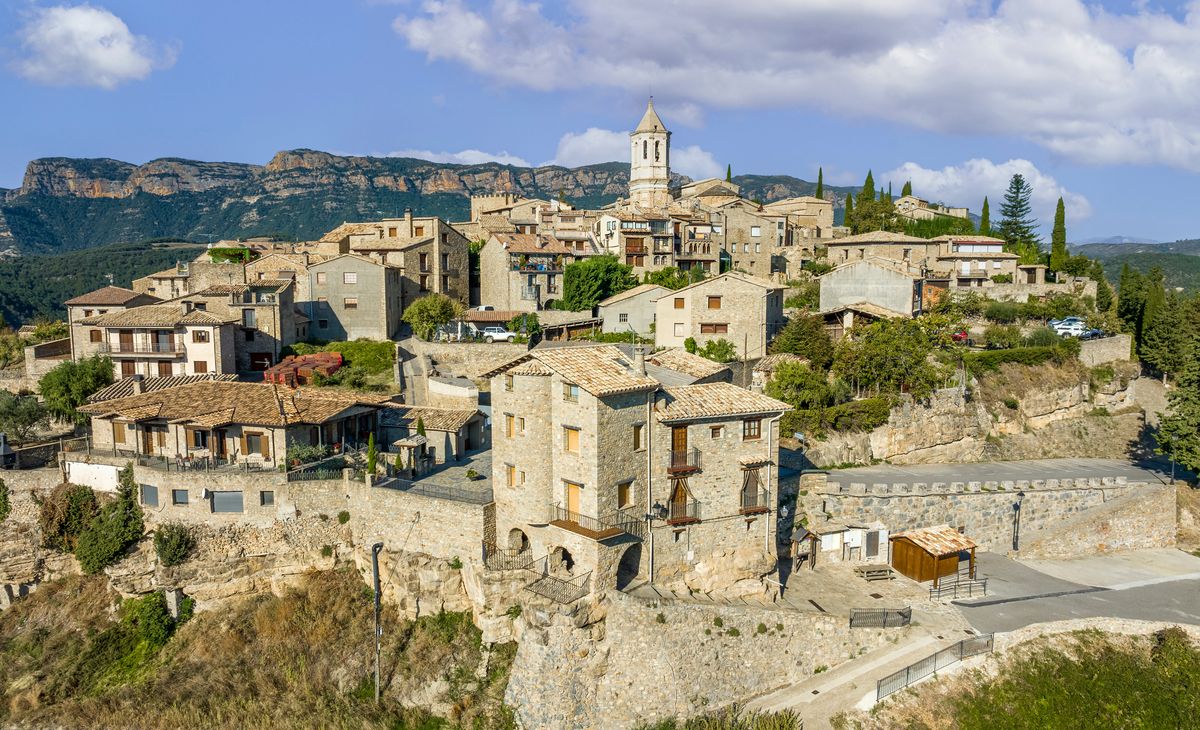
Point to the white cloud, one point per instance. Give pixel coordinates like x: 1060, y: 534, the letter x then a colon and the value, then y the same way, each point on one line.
x: 463, y: 157
x: 590, y: 147
x: 695, y: 163
x: 1093, y: 85
x: 966, y: 185
x: 84, y: 45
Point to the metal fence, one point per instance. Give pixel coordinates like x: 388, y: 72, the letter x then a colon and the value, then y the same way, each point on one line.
x: 438, y: 491
x: 560, y: 589
x: 880, y: 618
x: 43, y: 455
x: 960, y: 589
x: 498, y: 558
x: 934, y: 662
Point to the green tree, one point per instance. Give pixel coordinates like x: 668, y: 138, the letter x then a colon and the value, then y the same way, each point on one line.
x: 876, y: 215
x: 868, y: 189
x: 1131, y: 298
x: 1018, y: 227
x: 5, y: 505
x: 430, y: 312
x: 888, y: 356
x: 420, y: 426
x: 173, y: 542
x: 848, y: 218
x: 1104, y: 292
x: 668, y: 276
x: 728, y: 173
x: 372, y: 455
x: 119, y: 525
x: 907, y: 189
x: 526, y: 324
x: 1058, y: 239
x: 68, y: 385
x: 802, y: 387
x: 1179, y: 430
x: 21, y: 416
x: 1152, y: 307
x: 820, y: 193
x: 985, y: 218
x: 591, y: 280
x: 719, y: 350
x: 1166, y: 342
x: 806, y: 336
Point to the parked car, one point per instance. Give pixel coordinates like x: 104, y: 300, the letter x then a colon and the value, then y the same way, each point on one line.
x: 1092, y: 334
x: 1054, y: 323
x: 493, y: 334
x: 960, y: 335
x: 1070, y: 329
x: 485, y: 308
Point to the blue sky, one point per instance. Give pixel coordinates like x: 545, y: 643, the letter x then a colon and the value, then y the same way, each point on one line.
x: 1098, y: 103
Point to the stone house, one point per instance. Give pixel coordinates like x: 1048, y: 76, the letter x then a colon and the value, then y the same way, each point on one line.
x: 900, y: 249
x: 825, y: 541
x: 643, y: 240
x: 188, y: 277
x: 163, y: 340
x: 225, y: 423
x: 450, y: 433
x: 749, y: 237
x: 742, y: 309
x: 282, y: 266
x: 522, y: 272
x: 265, y: 315
x: 354, y: 297
x: 697, y: 246
x: 764, y: 370
x: 809, y: 217
x: 632, y: 310
x: 613, y: 476
x: 87, y: 341
x: 431, y: 254
x: 871, y: 281
x: 916, y: 209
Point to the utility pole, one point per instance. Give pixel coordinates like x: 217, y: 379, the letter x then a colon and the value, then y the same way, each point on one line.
x: 378, y: 628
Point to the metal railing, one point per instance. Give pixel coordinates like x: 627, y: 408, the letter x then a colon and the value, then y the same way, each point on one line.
x: 935, y: 662
x: 498, y: 558
x: 618, y: 521
x: 683, y: 512
x: 531, y: 292
x: 968, y: 588
x: 880, y: 618
x: 629, y: 522
x: 685, y: 460
x: 437, y: 491
x: 41, y: 455
x: 755, y: 501
x: 560, y: 589
x: 138, y: 348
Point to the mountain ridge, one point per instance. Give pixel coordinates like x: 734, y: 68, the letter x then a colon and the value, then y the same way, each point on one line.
x: 69, y: 203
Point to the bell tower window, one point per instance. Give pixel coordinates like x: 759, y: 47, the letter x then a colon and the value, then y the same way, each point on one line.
x: 645, y: 149
x: 656, y: 143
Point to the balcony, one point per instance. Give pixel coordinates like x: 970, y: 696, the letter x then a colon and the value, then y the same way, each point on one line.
x: 682, y: 513
x: 595, y: 528
x: 755, y: 502
x: 531, y: 293
x: 638, y: 249
x: 683, y: 462
x: 172, y: 348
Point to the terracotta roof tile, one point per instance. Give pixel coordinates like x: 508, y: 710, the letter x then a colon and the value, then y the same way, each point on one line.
x: 532, y: 243
x: 682, y: 361
x: 123, y: 388
x: 434, y: 419
x: 600, y: 370
x: 771, y: 363
x: 940, y: 540
x: 635, y: 291
x: 111, y: 296
x: 715, y: 400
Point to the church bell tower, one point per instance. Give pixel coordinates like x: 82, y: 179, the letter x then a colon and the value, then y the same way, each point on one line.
x: 649, y: 165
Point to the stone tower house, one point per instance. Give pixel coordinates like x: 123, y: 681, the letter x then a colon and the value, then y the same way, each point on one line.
x: 649, y: 167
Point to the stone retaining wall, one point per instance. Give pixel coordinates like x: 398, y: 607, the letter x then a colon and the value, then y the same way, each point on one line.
x: 985, y: 509
x: 465, y: 359
x: 1117, y: 348
x: 1141, y: 519
x: 651, y: 661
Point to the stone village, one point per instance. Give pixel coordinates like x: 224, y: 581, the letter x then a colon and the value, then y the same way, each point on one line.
x: 603, y: 501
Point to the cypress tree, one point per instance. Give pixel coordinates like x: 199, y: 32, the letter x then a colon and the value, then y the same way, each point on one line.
x: 889, y: 197
x: 985, y: 218
x: 1104, y: 293
x: 1165, y: 343
x: 1018, y: 227
x: 907, y: 189
x: 1058, y: 238
x: 820, y: 183
x: 1131, y: 297
x: 729, y: 173
x: 1152, y: 308
x: 1179, y: 432
x: 848, y: 219
x: 868, y: 189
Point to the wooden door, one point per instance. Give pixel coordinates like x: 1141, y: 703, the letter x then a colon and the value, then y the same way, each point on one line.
x: 164, y: 370
x: 125, y: 340
x: 573, y: 495
x: 218, y: 443
x: 128, y: 368
x: 147, y: 441
x: 679, y: 438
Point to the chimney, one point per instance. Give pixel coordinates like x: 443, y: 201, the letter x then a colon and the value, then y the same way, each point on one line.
x: 639, y: 359
x: 408, y: 221
x: 138, y: 386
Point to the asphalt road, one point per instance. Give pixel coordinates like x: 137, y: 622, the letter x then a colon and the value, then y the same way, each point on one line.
x: 998, y: 471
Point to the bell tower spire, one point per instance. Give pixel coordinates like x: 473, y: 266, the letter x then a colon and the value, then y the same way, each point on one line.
x: 649, y: 166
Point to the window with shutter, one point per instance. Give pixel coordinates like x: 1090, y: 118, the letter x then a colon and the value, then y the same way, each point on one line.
x: 571, y: 439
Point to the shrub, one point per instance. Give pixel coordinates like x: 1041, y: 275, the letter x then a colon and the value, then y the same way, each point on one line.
x: 149, y: 618
x: 173, y: 542
x: 343, y: 517
x: 762, y: 628
x: 660, y: 619
x: 719, y: 350
x: 1002, y: 336
x: 808, y: 296
x: 1002, y: 278
x: 455, y: 563
x: 5, y: 506
x: 1002, y: 312
x: 733, y: 632
x: 817, y: 268
x: 65, y: 514
x: 327, y: 551
x: 118, y: 526
x: 690, y: 345
x: 1042, y: 337
x: 859, y: 415
x: 718, y: 622
x: 1011, y: 403
x: 513, y: 611
x: 982, y: 362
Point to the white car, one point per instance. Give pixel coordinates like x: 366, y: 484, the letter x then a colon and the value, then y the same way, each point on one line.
x: 493, y: 334
x: 1070, y: 329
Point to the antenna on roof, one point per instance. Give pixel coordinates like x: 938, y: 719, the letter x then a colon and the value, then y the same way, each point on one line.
x: 110, y: 279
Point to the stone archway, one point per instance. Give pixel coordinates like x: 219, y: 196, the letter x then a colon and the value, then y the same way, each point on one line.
x: 629, y: 566
x: 518, y: 540
x: 561, y: 561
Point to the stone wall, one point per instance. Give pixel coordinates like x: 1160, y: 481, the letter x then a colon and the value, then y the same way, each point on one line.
x: 465, y: 359
x: 651, y: 661
x: 1117, y: 348
x: 985, y: 509
x: 1020, y: 292
x: 1142, y: 519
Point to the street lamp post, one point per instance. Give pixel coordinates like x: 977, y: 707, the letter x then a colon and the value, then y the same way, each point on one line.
x: 1016, y: 541
x: 378, y: 628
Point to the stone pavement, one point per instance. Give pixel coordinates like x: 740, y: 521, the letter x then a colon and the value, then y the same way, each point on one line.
x: 999, y: 471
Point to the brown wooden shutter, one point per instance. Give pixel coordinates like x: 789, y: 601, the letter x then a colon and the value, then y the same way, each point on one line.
x: 244, y: 448
x: 265, y: 440
x: 162, y: 438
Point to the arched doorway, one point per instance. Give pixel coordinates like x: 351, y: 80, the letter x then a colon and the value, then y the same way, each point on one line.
x: 561, y: 561
x: 629, y: 566
x: 518, y: 541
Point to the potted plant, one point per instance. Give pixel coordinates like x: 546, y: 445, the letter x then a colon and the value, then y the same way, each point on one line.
x: 472, y: 475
